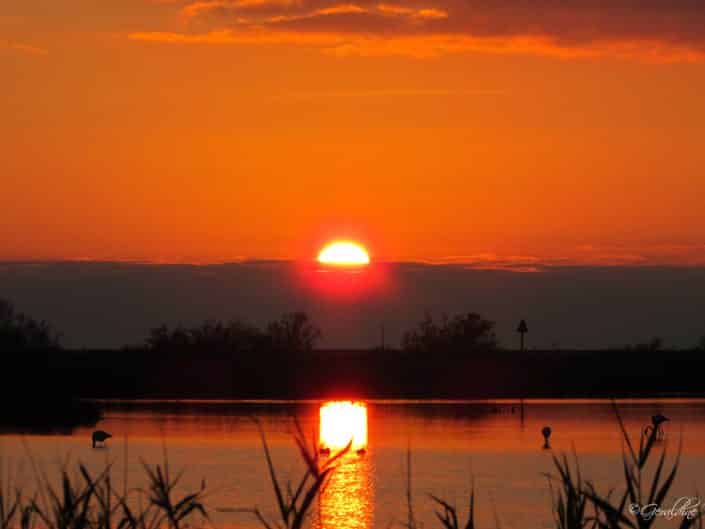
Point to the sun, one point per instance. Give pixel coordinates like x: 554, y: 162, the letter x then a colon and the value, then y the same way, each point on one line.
x: 344, y: 253
x: 343, y: 423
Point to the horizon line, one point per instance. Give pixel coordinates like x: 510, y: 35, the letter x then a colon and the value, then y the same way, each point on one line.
x: 527, y: 265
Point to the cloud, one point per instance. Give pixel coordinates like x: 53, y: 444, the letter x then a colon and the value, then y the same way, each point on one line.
x: 652, y: 30
x: 225, y: 7
x: 426, y: 46
x: 22, y: 48
x: 386, y: 92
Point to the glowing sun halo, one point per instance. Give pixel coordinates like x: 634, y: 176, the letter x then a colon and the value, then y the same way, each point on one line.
x: 344, y: 253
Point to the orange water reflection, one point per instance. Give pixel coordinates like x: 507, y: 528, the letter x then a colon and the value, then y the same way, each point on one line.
x: 347, y: 502
x: 450, y: 442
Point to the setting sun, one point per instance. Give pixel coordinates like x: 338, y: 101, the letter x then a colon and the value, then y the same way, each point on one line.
x: 343, y: 422
x: 344, y: 253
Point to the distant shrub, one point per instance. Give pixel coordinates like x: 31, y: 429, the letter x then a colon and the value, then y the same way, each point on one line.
x: 293, y: 332
x: 461, y: 334
x: 210, y: 336
x: 19, y: 332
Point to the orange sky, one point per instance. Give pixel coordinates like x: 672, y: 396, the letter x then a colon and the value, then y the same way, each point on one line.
x: 213, y: 130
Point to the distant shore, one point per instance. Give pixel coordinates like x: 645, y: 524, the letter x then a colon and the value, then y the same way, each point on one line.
x: 382, y: 374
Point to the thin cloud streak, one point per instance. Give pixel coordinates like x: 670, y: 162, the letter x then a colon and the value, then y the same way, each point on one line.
x: 584, y: 255
x: 428, y: 46
x: 25, y: 49
x: 381, y: 93
x: 428, y: 28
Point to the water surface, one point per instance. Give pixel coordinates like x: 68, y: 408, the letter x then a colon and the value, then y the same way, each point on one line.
x: 453, y: 444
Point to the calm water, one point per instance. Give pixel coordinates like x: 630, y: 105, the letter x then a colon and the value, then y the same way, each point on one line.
x: 451, y: 443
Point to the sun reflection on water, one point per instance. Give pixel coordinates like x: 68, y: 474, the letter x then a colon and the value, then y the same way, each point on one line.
x: 347, y: 502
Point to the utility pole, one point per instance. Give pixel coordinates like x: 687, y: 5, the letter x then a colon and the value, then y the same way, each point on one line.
x: 381, y: 327
x: 522, y: 330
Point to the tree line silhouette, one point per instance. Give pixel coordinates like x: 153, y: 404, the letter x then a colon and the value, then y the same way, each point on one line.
x: 295, y: 333
x: 444, y: 357
x: 292, y: 333
x: 21, y: 332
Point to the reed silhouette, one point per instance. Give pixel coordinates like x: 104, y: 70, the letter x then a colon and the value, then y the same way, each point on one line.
x: 90, y: 501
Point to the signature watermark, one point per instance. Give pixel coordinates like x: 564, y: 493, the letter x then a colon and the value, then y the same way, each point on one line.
x: 684, y: 507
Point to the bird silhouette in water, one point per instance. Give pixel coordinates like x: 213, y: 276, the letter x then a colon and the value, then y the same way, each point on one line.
x: 546, y: 432
x: 655, y: 426
x: 100, y: 436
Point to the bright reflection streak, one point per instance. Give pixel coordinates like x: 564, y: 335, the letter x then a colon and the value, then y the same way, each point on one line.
x: 347, y: 502
x: 341, y: 423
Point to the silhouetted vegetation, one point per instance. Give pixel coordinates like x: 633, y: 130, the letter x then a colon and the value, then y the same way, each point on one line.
x: 86, y: 501
x: 294, y: 504
x: 465, y: 333
x: 456, y: 357
x: 578, y: 504
x: 20, y: 332
x: 42, y: 400
x: 291, y: 333
x: 210, y: 337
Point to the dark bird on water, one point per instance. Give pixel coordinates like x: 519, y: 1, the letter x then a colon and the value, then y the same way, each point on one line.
x: 100, y: 436
x: 546, y: 432
x: 657, y: 420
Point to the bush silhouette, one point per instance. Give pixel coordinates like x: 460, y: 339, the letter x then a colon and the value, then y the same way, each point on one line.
x: 19, y: 332
x: 461, y: 334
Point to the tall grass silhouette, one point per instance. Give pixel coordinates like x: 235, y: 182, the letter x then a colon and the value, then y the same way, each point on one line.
x: 294, y: 504
x: 82, y: 500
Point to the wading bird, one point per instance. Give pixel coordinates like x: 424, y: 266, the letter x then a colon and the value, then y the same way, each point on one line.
x: 546, y: 432
x: 99, y: 436
x: 655, y: 426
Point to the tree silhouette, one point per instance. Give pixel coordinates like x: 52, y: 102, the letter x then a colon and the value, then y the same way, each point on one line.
x: 20, y: 332
x: 461, y: 334
x: 293, y: 333
x: 209, y: 337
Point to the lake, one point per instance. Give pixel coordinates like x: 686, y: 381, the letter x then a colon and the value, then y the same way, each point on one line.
x: 453, y: 444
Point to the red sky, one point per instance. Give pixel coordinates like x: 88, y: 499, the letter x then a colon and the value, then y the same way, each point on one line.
x: 439, y: 130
